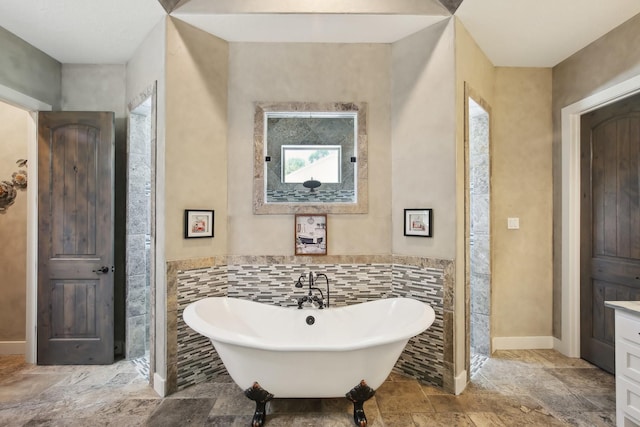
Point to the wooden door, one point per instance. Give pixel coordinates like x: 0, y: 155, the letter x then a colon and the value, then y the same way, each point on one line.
x: 610, y: 223
x: 75, y: 238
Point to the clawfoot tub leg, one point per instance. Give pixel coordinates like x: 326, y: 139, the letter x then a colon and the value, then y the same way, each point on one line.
x: 261, y: 397
x: 358, y: 395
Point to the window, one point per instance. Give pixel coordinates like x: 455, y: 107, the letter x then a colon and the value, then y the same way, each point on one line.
x: 302, y: 163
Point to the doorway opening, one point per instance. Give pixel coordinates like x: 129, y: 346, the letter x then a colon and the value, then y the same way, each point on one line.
x: 31, y: 106
x: 610, y: 257
x: 569, y: 280
x: 140, y: 235
x: 479, y: 234
x: 14, y: 205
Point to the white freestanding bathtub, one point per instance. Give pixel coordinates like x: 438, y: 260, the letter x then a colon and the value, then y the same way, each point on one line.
x: 308, y: 352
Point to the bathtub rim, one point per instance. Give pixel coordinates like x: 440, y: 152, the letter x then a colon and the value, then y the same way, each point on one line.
x: 202, y: 327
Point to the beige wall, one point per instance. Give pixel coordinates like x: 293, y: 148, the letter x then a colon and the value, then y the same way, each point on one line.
x: 423, y: 150
x: 415, y: 92
x: 310, y: 73
x: 147, y: 64
x: 519, y: 103
x: 475, y: 70
x: 195, y: 138
x: 522, y: 187
x: 13, y: 227
x: 146, y: 67
x: 609, y: 60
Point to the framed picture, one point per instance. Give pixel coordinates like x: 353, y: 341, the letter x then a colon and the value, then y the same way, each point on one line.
x: 418, y: 222
x: 311, y: 234
x: 198, y: 223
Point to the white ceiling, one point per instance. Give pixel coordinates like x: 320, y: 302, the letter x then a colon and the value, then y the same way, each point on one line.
x: 82, y: 31
x: 540, y: 33
x: 532, y: 33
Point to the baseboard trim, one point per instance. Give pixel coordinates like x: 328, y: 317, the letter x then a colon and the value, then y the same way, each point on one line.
x: 523, y: 343
x: 159, y: 384
x: 460, y: 382
x: 13, y: 347
x: 564, y: 347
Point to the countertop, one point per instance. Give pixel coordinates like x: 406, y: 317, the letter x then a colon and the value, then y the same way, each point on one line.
x: 632, y: 307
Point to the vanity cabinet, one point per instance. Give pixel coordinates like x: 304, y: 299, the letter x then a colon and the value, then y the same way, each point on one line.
x: 627, y: 342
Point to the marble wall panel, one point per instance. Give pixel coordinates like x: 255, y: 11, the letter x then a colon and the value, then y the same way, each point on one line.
x: 138, y: 229
x: 480, y: 334
x: 480, y: 224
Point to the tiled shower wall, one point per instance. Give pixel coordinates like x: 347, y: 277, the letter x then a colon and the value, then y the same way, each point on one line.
x: 138, y: 236
x: 479, y: 233
x: 271, y: 280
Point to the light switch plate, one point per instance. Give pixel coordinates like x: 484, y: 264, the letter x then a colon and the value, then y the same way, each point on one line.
x: 513, y: 223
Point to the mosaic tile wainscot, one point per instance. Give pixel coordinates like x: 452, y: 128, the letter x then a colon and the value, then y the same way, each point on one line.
x: 271, y: 280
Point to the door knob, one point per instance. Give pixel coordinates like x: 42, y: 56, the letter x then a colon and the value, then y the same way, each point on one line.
x: 102, y: 270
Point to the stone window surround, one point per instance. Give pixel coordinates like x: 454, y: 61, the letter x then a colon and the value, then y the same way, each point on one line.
x: 260, y: 206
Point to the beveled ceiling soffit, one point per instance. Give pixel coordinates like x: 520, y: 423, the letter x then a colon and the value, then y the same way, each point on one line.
x: 425, y: 7
x: 171, y: 5
x: 451, y: 5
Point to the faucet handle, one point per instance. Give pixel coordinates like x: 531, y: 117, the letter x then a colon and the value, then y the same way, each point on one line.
x: 301, y: 301
x: 319, y: 301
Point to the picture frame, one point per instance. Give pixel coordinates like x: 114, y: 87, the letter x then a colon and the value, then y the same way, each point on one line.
x: 418, y: 222
x: 310, y: 234
x: 198, y: 223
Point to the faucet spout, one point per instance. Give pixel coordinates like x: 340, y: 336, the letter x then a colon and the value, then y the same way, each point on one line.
x: 326, y: 279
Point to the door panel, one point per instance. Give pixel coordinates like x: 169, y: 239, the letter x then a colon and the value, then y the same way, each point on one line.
x: 75, y: 239
x: 77, y: 315
x: 610, y: 223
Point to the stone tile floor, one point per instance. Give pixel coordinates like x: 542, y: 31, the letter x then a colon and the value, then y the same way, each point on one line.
x: 513, y: 388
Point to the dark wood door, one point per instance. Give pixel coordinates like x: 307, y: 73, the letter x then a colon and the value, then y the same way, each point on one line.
x: 610, y: 223
x: 75, y: 237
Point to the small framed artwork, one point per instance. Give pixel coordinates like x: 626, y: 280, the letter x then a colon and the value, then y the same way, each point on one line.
x: 310, y: 234
x: 198, y: 223
x: 418, y: 222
